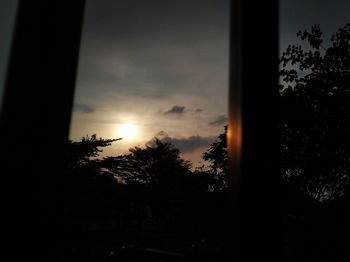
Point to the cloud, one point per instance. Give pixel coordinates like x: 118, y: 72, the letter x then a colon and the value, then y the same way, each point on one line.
x: 81, y: 108
x: 219, y: 121
x: 175, y: 110
x: 155, y: 51
x: 185, y: 145
x: 191, y: 143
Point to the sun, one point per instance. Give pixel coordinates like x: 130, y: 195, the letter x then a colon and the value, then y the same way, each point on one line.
x: 127, y: 131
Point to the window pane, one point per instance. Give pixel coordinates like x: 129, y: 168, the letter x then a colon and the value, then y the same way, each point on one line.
x: 7, y: 23
x: 161, y: 67
x: 152, y: 70
x: 314, y: 128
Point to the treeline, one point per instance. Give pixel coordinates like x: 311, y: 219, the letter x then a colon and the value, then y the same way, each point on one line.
x: 150, y: 197
x: 152, y: 166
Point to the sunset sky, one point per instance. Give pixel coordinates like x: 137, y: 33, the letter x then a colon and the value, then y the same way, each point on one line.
x: 162, y: 66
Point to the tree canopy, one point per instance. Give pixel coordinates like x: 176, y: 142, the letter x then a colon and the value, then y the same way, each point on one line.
x: 80, y: 153
x: 216, y: 155
x: 315, y: 115
x: 150, y: 165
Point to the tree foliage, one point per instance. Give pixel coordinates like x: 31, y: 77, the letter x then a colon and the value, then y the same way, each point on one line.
x: 80, y: 153
x: 315, y: 115
x: 151, y: 165
x: 217, y: 156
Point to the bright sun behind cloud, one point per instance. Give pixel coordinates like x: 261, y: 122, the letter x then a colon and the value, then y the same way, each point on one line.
x: 127, y: 131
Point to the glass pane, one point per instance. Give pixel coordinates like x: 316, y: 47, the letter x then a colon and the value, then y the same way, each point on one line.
x: 7, y: 22
x: 315, y: 98
x: 154, y: 73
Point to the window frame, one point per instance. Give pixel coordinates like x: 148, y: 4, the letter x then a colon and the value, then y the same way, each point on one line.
x: 37, y: 108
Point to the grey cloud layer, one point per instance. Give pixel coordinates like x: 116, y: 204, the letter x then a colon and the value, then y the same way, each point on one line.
x: 219, y: 121
x: 188, y: 144
x: 154, y: 50
x: 191, y: 143
x: 132, y: 20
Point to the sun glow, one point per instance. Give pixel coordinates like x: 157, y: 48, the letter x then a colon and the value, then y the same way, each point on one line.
x: 127, y: 131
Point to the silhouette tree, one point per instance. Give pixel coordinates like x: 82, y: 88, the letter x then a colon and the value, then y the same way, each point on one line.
x: 315, y: 115
x: 157, y: 164
x: 217, y: 156
x: 81, y: 153
x: 84, y: 184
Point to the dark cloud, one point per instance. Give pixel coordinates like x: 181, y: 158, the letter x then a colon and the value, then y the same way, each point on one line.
x: 81, y: 108
x: 185, y: 145
x: 191, y: 143
x: 219, y: 121
x: 176, y: 110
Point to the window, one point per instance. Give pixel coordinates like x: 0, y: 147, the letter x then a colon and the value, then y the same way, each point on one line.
x: 7, y: 24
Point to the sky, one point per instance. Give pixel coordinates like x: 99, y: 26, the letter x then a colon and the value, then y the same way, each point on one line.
x: 163, y: 67
x: 298, y: 15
